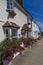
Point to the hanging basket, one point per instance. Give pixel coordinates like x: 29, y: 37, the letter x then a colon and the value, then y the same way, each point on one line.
x: 11, y: 14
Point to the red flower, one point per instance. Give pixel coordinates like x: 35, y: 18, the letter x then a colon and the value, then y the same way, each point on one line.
x: 26, y: 42
x: 10, y: 58
x: 8, y: 51
x: 15, y: 48
x: 28, y: 28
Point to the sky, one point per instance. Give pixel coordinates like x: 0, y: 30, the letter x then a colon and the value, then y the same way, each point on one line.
x: 35, y: 7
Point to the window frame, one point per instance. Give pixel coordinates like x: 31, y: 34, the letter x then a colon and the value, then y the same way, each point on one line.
x: 10, y: 5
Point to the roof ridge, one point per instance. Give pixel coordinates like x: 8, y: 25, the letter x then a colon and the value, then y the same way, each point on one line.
x: 9, y: 22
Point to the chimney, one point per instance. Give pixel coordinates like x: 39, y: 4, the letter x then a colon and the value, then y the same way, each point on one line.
x: 20, y: 2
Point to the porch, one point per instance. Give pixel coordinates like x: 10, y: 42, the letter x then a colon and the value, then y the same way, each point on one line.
x: 10, y: 30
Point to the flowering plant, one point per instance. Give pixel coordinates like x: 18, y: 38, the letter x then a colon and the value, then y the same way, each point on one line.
x: 15, y: 49
x: 29, y: 29
x: 8, y: 55
x: 26, y: 42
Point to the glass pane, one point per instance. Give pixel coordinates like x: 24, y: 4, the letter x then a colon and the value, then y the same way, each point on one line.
x: 13, y: 32
x: 6, y: 31
x: 9, y: 4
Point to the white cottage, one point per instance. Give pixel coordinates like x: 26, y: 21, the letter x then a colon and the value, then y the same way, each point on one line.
x: 13, y: 17
x: 36, y: 31
x: 15, y: 20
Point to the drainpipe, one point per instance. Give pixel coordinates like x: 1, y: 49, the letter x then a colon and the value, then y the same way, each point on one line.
x: 27, y: 23
x: 31, y: 27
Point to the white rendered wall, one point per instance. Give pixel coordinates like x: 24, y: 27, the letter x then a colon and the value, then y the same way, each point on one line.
x: 34, y: 29
x: 20, y: 18
x: 1, y: 32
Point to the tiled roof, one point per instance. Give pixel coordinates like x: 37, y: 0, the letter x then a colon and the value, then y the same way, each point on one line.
x: 10, y: 24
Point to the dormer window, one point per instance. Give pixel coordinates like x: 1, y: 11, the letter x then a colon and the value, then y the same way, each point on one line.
x: 10, y: 5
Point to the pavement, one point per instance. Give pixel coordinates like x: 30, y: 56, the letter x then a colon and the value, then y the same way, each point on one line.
x: 32, y: 56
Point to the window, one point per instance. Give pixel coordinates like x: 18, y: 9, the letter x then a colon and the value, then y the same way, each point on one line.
x: 6, y: 31
x: 13, y: 32
x: 9, y: 5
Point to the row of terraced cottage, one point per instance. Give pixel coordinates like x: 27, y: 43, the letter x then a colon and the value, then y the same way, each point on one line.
x: 16, y: 21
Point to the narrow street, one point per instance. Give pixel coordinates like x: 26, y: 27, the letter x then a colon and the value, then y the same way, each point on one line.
x: 33, y: 56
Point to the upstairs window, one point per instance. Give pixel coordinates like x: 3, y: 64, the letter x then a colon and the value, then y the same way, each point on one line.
x: 10, y: 5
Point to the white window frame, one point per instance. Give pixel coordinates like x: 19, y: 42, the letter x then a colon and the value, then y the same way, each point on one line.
x: 10, y: 5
